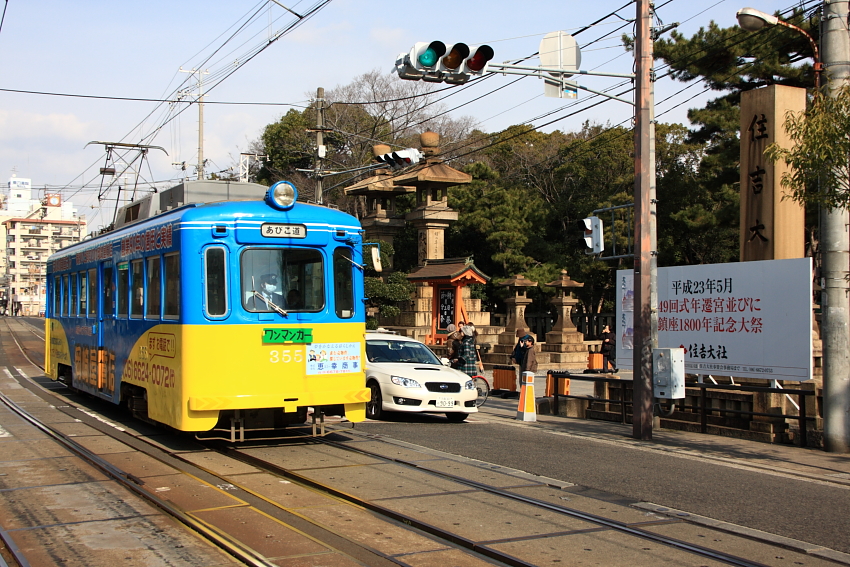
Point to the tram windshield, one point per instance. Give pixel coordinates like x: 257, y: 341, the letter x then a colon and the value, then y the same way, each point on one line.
x: 290, y: 278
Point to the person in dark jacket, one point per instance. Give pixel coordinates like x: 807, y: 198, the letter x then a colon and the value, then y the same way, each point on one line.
x: 529, y: 357
x: 516, y: 354
x: 608, y: 349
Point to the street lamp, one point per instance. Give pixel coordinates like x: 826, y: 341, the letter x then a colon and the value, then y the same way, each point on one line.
x: 752, y: 20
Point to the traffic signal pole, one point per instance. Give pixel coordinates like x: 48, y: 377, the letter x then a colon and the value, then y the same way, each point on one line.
x: 642, y: 364
x: 427, y: 61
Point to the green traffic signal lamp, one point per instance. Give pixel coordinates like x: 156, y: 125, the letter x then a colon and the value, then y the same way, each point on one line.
x: 432, y: 54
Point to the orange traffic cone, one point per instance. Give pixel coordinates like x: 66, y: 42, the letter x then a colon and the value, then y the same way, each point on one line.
x: 527, y: 409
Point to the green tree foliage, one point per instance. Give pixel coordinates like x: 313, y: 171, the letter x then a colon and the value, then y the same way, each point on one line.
x: 374, y: 108
x: 383, y: 293
x: 495, y: 222
x: 697, y: 218
x: 820, y: 157
x: 702, y: 212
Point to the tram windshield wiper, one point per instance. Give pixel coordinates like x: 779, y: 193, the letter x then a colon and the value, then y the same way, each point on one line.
x: 275, y: 307
x: 270, y: 303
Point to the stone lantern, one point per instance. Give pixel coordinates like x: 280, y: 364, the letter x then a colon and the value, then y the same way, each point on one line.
x: 564, y: 342
x: 516, y: 305
x: 432, y: 216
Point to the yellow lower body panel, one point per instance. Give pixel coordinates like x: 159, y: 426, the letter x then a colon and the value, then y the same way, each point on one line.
x: 192, y: 372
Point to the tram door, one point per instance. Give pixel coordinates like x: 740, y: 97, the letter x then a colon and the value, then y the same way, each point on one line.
x: 105, y: 329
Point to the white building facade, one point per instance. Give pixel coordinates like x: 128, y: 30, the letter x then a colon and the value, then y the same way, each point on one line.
x: 31, y: 229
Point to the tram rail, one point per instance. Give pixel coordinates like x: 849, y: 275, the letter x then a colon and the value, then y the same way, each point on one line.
x: 476, y: 547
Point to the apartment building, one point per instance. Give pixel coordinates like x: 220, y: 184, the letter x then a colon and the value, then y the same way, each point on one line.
x: 31, y: 229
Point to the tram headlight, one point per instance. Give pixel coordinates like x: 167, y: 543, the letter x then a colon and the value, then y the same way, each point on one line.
x: 282, y: 195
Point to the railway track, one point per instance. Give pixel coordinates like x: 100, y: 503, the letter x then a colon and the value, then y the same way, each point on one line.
x: 347, y: 491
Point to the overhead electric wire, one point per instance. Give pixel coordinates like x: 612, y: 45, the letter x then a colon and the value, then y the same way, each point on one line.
x: 250, y: 56
x: 743, y: 34
x: 456, y: 90
x: 705, y: 90
x: 3, y: 18
x: 160, y: 100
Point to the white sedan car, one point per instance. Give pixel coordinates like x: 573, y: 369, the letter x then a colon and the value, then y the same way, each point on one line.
x: 405, y: 375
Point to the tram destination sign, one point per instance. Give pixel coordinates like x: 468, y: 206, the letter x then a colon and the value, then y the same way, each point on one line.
x: 278, y: 230
x: 282, y: 336
x: 742, y: 319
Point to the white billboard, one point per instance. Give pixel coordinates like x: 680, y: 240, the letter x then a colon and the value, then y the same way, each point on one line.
x: 744, y: 319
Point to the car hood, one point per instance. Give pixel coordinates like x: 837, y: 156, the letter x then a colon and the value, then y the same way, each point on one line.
x: 419, y: 372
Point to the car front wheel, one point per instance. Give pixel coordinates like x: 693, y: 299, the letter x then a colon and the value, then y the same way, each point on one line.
x: 374, y: 408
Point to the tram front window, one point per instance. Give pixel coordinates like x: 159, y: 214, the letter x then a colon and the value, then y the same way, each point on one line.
x: 289, y: 278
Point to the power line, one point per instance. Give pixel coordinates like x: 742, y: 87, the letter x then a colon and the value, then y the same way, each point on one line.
x: 159, y: 100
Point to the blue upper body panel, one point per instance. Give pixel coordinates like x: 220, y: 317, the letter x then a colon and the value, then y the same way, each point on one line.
x: 234, y: 226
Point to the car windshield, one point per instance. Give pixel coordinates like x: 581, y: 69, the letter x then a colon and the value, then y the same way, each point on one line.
x: 399, y: 351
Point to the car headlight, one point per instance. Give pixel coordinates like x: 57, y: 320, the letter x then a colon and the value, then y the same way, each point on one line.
x: 406, y: 382
x: 470, y: 385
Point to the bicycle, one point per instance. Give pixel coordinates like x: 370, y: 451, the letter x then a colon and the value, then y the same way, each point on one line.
x: 483, y: 390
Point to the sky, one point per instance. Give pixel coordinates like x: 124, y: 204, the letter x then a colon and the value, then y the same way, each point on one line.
x: 133, y: 50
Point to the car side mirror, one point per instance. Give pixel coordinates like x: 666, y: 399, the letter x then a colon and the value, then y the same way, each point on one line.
x: 446, y: 361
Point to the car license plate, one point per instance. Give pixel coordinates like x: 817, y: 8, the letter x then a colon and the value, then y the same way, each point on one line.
x: 445, y: 402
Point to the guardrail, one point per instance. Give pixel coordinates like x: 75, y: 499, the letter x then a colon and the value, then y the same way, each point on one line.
x: 703, y: 408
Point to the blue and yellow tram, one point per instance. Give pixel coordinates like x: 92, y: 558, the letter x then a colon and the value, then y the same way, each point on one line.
x: 242, y: 312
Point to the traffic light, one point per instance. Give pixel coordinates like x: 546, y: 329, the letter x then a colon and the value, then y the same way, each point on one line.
x: 593, y: 235
x: 421, y: 62
x: 400, y: 158
x: 436, y: 62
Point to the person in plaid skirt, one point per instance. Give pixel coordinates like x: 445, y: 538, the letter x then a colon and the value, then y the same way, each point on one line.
x: 468, y: 352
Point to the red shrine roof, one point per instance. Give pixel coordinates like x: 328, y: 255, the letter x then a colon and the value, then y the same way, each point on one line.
x: 448, y: 270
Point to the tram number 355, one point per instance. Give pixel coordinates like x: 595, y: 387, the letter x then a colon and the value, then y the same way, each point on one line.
x: 286, y: 356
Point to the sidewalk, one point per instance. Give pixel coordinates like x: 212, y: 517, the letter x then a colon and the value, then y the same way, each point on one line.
x: 810, y: 463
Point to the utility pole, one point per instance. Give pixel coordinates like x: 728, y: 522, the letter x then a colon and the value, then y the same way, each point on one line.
x: 642, y: 364
x: 835, y: 246
x: 320, y: 142
x: 200, y: 118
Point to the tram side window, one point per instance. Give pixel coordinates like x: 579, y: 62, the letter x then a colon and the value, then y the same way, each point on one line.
x: 137, y: 304
x: 83, y: 296
x: 66, y: 285
x: 123, y: 289
x: 172, y: 286
x: 154, y: 281
x: 92, y: 292
x: 72, y: 311
x: 343, y: 283
x: 57, y: 295
x: 216, y: 280
x: 108, y: 292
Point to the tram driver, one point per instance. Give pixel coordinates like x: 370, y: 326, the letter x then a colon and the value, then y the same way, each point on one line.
x: 267, y: 291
